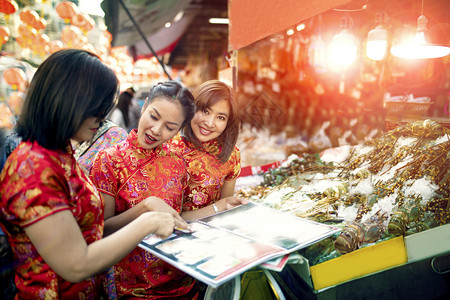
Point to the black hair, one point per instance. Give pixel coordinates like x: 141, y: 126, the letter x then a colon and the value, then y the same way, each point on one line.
x: 174, y: 91
x: 124, y: 104
x: 68, y: 87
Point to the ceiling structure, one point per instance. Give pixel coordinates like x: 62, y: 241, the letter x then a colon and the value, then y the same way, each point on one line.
x: 197, y: 37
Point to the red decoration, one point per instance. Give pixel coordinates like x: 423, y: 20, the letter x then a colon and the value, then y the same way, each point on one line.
x: 55, y: 45
x: 66, y: 10
x: 14, y: 77
x: 4, y: 34
x: 8, y: 7
x: 28, y: 16
x: 90, y: 24
x: 28, y: 34
x: 40, y: 24
x: 70, y: 35
x: 79, y: 20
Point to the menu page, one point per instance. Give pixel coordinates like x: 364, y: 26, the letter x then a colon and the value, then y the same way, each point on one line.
x: 224, y: 245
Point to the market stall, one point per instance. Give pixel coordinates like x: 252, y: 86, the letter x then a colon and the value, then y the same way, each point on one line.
x: 348, y: 142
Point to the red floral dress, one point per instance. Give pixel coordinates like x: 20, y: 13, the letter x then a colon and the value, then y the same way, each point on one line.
x: 130, y: 174
x: 34, y: 184
x: 206, y: 174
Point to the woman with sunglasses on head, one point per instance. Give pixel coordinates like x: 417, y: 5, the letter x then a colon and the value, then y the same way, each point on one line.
x: 50, y: 211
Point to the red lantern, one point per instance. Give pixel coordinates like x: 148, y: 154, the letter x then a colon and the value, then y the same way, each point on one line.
x: 108, y: 35
x: 79, y: 20
x: 28, y: 34
x: 15, y: 101
x: 66, y: 10
x: 40, y: 24
x: 4, y: 34
x: 41, y: 44
x: 70, y: 35
x: 28, y: 16
x: 55, y: 46
x: 8, y: 7
x: 89, y: 25
x: 14, y: 77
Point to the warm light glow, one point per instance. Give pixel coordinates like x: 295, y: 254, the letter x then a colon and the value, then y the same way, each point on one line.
x: 317, y: 54
x: 178, y: 17
x: 377, y: 43
x: 290, y: 32
x: 419, y: 48
x: 300, y: 27
x: 219, y: 21
x: 343, y: 49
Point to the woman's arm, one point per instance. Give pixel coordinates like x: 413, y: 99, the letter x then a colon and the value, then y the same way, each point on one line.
x: 226, y: 202
x: 59, y: 241
x: 114, y: 222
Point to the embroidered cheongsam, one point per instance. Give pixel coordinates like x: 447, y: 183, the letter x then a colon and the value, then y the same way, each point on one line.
x: 87, y: 151
x: 130, y: 174
x: 34, y: 184
x: 206, y: 174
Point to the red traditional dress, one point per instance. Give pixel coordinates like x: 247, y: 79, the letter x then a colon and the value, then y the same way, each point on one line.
x: 130, y: 174
x: 206, y: 174
x: 34, y: 184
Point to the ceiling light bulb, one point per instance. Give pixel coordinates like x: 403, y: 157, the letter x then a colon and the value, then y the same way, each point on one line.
x: 377, y: 40
x: 419, y: 48
x: 343, y: 46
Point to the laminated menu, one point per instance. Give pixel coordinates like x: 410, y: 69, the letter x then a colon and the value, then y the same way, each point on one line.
x: 224, y: 245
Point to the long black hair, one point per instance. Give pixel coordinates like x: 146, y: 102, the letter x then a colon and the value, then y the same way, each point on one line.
x: 68, y: 87
x: 174, y: 91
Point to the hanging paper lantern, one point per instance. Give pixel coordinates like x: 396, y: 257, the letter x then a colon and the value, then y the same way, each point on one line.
x: 40, y: 24
x: 28, y: 16
x: 14, y: 77
x: 15, y: 101
x: 79, y: 20
x: 8, y: 7
x: 70, y: 35
x: 108, y: 35
x: 55, y: 45
x: 28, y: 34
x: 41, y: 44
x: 4, y: 34
x: 21, y: 42
x: 6, y: 116
x: 66, y: 10
x: 89, y: 24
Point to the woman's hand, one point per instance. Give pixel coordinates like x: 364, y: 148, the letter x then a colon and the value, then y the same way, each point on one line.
x: 233, y: 201
x: 155, y: 204
x: 163, y: 224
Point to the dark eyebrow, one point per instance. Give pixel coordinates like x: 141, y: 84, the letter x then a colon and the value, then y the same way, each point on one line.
x: 156, y: 112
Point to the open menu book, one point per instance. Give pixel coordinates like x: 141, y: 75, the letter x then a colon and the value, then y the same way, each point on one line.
x: 227, y: 244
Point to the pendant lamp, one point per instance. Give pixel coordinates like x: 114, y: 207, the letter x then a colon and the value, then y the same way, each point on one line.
x: 377, y: 39
x: 343, y: 47
x: 419, y: 48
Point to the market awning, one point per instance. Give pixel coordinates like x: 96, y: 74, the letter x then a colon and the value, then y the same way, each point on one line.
x: 252, y: 20
x: 151, y: 16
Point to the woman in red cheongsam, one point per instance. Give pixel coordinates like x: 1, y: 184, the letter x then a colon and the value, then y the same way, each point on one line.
x: 143, y: 166
x: 208, y: 145
x: 49, y: 209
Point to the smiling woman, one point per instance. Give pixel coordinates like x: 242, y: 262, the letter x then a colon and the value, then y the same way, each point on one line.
x: 131, y: 176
